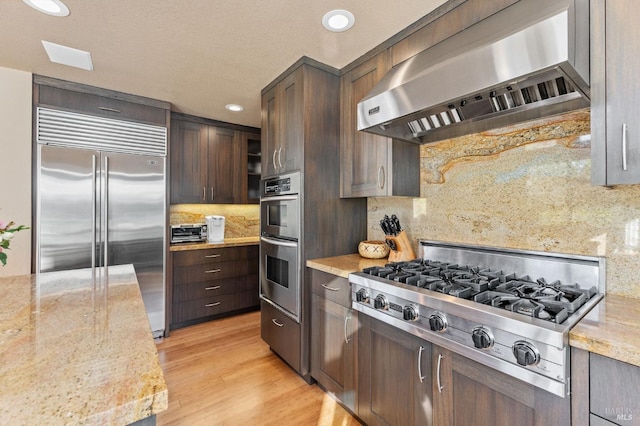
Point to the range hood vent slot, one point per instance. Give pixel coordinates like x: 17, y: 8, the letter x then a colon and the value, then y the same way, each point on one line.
x: 474, y: 81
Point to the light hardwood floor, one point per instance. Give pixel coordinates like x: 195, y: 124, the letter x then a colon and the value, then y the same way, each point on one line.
x: 222, y: 373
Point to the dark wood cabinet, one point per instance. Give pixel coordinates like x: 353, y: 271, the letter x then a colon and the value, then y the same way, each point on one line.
x: 281, y: 333
x: 615, y: 92
x: 394, y: 376
x: 205, y: 164
x: 372, y: 165
x: 252, y: 150
x: 210, y: 283
x: 465, y: 392
x: 604, y: 391
x: 282, y: 130
x: 334, y: 337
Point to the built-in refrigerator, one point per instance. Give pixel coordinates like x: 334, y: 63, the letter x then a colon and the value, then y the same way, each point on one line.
x: 101, y: 199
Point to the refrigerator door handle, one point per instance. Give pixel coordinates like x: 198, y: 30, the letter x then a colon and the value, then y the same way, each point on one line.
x: 105, y: 204
x: 94, y: 214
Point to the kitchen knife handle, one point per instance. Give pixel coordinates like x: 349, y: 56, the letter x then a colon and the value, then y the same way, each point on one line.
x: 440, y: 387
x: 381, y: 178
x: 420, y: 376
x: 624, y: 146
x: 346, y: 321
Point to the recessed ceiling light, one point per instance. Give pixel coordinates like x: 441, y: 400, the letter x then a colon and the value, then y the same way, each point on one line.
x: 234, y: 107
x: 50, y: 7
x: 338, y: 20
x: 68, y: 56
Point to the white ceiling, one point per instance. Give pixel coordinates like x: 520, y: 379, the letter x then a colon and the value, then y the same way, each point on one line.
x: 197, y: 54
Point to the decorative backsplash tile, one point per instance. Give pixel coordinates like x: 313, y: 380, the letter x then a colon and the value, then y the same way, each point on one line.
x: 526, y: 187
x: 241, y: 220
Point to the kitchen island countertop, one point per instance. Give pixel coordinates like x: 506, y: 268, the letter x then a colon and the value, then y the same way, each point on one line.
x: 228, y: 242
x: 77, y: 351
x: 610, y: 329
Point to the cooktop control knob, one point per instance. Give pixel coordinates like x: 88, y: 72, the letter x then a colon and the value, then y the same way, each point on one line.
x: 525, y: 353
x: 380, y: 302
x: 362, y: 296
x: 482, y: 337
x: 410, y: 313
x: 437, y: 321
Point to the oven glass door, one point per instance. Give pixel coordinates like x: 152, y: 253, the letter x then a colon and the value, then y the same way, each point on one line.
x: 280, y: 216
x: 280, y: 275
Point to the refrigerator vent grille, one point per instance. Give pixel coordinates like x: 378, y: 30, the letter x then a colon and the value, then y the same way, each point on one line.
x: 71, y: 129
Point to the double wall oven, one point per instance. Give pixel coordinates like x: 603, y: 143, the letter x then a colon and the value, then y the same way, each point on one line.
x: 280, y: 251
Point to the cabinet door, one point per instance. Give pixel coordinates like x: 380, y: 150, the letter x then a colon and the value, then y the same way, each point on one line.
x: 291, y: 109
x: 188, y: 162
x: 466, y: 392
x: 333, y: 349
x: 225, y: 167
x: 269, y: 132
x: 365, y: 158
x: 614, y: 390
x: 394, y: 376
x: 615, y: 92
x: 250, y: 152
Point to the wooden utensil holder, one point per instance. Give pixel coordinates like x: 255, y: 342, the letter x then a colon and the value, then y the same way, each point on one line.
x: 404, y: 250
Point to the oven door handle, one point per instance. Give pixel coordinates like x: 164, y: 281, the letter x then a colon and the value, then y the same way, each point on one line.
x: 279, y: 242
x: 280, y: 198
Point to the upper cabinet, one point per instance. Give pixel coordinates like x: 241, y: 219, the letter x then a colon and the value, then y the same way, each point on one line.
x: 210, y: 164
x: 372, y: 165
x: 282, y: 123
x: 615, y: 92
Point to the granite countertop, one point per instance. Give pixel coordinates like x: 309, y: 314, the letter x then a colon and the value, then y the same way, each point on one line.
x: 344, y: 265
x: 228, y: 242
x: 77, y: 351
x: 610, y: 329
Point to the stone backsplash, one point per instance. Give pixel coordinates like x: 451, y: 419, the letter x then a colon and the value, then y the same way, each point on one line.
x: 241, y: 220
x: 526, y: 187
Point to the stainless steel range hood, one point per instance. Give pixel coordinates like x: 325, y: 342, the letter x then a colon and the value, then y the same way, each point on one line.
x: 527, y: 61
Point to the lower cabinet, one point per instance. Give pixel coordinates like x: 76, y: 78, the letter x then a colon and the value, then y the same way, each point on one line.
x: 394, y: 376
x: 281, y: 333
x: 468, y: 393
x: 209, y: 283
x: 334, y: 338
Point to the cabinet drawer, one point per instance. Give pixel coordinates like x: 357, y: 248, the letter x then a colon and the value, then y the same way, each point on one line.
x: 206, y: 289
x: 215, y: 305
x: 209, y: 272
x: 331, y: 287
x: 199, y: 257
x: 614, y: 390
x: 281, y: 333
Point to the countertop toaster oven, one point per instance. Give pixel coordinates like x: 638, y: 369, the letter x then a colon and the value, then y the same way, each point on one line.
x: 189, y: 233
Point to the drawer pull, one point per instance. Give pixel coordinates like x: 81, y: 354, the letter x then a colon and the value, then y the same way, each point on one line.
x: 209, y: 305
x: 212, y: 271
x: 212, y: 256
x: 215, y: 287
x: 330, y: 288
x: 279, y: 324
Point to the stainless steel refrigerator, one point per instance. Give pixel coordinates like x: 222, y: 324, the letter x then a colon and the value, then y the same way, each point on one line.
x: 101, y: 199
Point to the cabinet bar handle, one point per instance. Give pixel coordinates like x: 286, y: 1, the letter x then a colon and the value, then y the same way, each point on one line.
x: 215, y: 287
x: 209, y: 305
x: 273, y: 320
x: 212, y: 255
x: 212, y: 271
x: 346, y: 321
x: 204, y: 193
x: 330, y: 288
x: 275, y: 166
x: 440, y: 387
x: 624, y: 146
x: 212, y: 195
x: 109, y: 109
x: 280, y: 157
x: 381, y: 178
x: 420, y: 376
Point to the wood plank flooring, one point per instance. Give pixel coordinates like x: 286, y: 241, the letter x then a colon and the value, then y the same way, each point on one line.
x: 222, y: 373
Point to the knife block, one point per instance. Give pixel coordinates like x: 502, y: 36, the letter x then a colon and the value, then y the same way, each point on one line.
x: 404, y: 250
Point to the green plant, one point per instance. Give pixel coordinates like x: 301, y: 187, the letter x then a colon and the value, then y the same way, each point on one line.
x: 6, y: 234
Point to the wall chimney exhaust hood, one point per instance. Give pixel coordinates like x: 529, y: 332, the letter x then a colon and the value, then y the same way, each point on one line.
x: 527, y: 61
